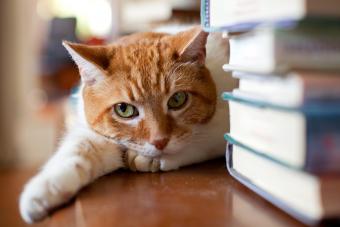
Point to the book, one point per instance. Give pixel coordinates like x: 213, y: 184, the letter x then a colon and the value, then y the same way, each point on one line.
x: 306, y: 138
x: 307, y: 197
x: 293, y: 89
x: 270, y: 50
x: 236, y: 16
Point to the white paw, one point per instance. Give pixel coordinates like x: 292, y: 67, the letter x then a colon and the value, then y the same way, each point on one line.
x: 31, y: 205
x: 44, y: 193
x: 34, y: 200
x: 136, y: 162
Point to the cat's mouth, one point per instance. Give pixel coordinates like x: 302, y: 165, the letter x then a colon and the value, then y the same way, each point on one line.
x: 146, y: 149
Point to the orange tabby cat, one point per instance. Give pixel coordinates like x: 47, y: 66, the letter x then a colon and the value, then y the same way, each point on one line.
x: 148, y: 102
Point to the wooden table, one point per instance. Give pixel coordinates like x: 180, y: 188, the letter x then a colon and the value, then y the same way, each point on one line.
x: 199, y: 195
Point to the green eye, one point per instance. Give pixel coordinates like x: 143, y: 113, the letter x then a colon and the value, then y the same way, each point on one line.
x: 177, y: 100
x: 125, y: 110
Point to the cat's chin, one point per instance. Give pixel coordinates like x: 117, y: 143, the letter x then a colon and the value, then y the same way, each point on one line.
x: 150, y: 150
x: 157, y: 153
x: 154, y: 152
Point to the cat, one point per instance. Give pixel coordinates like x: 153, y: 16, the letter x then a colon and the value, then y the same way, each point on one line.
x: 148, y: 102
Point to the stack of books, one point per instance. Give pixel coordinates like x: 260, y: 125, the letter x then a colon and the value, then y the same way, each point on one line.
x: 284, y: 140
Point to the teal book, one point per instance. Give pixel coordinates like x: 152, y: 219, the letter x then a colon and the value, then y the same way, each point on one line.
x: 305, y: 138
x: 308, y: 198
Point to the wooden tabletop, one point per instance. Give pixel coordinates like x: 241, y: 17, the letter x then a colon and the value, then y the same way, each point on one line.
x: 199, y: 195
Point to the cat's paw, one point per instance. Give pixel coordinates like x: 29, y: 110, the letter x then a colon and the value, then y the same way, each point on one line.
x: 42, y: 194
x: 136, y: 162
x: 37, y: 199
x: 34, y: 200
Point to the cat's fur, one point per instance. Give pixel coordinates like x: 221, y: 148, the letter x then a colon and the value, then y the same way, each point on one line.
x: 144, y: 69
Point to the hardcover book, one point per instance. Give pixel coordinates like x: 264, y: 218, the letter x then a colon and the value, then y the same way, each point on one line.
x: 236, y: 16
x: 293, y: 89
x: 268, y: 50
x: 308, y: 198
x: 306, y: 138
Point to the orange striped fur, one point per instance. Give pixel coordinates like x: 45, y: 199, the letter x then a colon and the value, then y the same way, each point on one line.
x: 145, y: 69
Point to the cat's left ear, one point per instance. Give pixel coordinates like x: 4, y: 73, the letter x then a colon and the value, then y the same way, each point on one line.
x: 92, y: 61
x: 190, y: 44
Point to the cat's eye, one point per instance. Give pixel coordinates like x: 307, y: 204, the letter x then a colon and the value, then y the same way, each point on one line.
x: 125, y: 110
x: 177, y: 100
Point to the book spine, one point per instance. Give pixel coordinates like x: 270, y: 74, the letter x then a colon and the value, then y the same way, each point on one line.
x: 277, y: 51
x: 205, y: 15
x: 307, y: 48
x: 323, y: 144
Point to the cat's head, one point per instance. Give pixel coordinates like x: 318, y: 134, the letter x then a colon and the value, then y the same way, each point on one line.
x: 148, y: 91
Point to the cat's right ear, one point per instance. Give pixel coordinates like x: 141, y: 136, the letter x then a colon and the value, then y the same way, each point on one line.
x: 190, y: 44
x: 92, y: 61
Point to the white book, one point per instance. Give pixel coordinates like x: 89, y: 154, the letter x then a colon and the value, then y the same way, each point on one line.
x: 292, y: 89
x: 271, y: 50
x: 280, y: 135
x: 307, y: 197
x: 235, y: 15
x: 305, y: 139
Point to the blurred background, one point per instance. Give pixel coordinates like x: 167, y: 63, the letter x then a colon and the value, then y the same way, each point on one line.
x: 36, y: 73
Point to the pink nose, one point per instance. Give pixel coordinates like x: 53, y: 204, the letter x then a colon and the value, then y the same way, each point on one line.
x: 160, y: 144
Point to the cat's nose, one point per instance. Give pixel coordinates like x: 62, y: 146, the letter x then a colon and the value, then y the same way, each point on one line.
x: 160, y: 144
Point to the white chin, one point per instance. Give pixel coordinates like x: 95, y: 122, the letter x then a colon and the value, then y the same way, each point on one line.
x: 150, y: 153
x: 149, y: 150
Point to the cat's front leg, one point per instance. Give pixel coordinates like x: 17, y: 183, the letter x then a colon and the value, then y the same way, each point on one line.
x: 81, y: 158
x: 141, y: 163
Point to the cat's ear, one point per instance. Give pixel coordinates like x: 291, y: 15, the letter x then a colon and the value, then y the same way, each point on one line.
x: 92, y: 61
x: 190, y: 44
